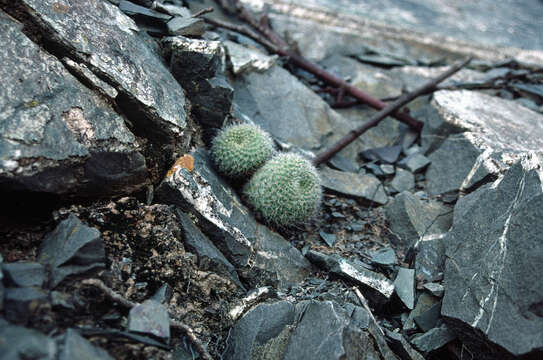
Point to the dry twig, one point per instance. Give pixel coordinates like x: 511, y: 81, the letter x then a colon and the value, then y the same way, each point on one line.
x: 280, y: 47
x: 366, y: 306
x: 377, y: 118
x: 112, y: 295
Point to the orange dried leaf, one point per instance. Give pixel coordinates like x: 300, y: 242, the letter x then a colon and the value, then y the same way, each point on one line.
x: 186, y: 161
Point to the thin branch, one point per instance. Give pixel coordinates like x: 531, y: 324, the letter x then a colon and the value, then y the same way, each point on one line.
x: 112, y: 295
x: 203, y: 12
x: 280, y: 47
x: 390, y: 109
x: 364, y: 303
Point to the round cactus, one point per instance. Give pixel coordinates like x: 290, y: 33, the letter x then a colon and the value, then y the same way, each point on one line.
x: 239, y: 150
x: 285, y: 191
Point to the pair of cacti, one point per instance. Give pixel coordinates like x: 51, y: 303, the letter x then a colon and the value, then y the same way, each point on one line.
x: 284, y: 188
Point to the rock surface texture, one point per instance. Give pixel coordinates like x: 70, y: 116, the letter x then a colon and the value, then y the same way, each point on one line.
x: 121, y: 239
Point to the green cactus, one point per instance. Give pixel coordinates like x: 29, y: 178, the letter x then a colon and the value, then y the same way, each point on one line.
x: 285, y: 191
x: 239, y: 150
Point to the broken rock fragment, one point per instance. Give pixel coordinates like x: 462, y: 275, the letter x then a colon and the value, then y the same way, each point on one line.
x: 57, y: 136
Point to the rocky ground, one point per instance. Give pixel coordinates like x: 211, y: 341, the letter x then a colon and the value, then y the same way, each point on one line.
x: 118, y: 234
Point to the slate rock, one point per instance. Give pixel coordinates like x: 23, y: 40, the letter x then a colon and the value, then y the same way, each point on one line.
x: 198, y: 65
x: 309, y: 329
x: 264, y: 328
x: 244, y: 59
x: 22, y: 274
x: 362, y: 187
x: 163, y: 295
x: 209, y: 257
x: 279, y: 103
x: 428, y: 319
x: 387, y: 154
x: 415, y: 163
x: 414, y: 220
x: 256, y: 252
x: 492, y: 275
x: 404, y: 286
x: 150, y: 317
x: 385, y: 256
x: 435, y: 289
x: 456, y: 153
x: 152, y: 21
x: 19, y: 343
x: 57, y: 136
x: 402, y: 347
x: 424, y: 303
x: 434, y: 339
x: 344, y: 164
x: 430, y: 258
x: 23, y: 304
x: 403, y: 180
x: 354, y: 272
x: 387, y: 170
x: 329, y: 239
x: 113, y: 51
x: 72, y: 248
x: 74, y: 346
x: 372, y: 79
x: 491, y: 134
x: 324, y: 333
x: 186, y: 26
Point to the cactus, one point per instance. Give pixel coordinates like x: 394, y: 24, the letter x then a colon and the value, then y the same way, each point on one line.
x: 239, y: 150
x: 285, y: 191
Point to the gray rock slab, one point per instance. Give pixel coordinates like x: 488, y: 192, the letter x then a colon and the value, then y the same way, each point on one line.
x: 209, y: 257
x: 22, y: 304
x: 385, y: 256
x: 373, y: 80
x: 494, y: 134
x: 77, y: 347
x: 282, y: 330
x: 363, y: 187
x: 434, y: 339
x: 263, y: 329
x: 257, y: 252
x: 451, y: 165
x: 17, y: 342
x: 428, y: 319
x: 71, y: 248
x: 163, y: 295
x: 24, y: 274
x: 415, y: 163
x: 424, y: 303
x: 57, y: 136
x: 106, y: 41
x: 481, y: 22
x: 150, y: 317
x: 402, y: 347
x: 186, y: 26
x: 494, y: 251
x: 349, y: 270
x: 244, y: 59
x: 320, y: 333
x: 283, y: 106
x: 404, y: 286
x: 414, y: 220
x: 430, y: 258
x: 403, y: 180
x: 435, y: 289
x: 198, y: 65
